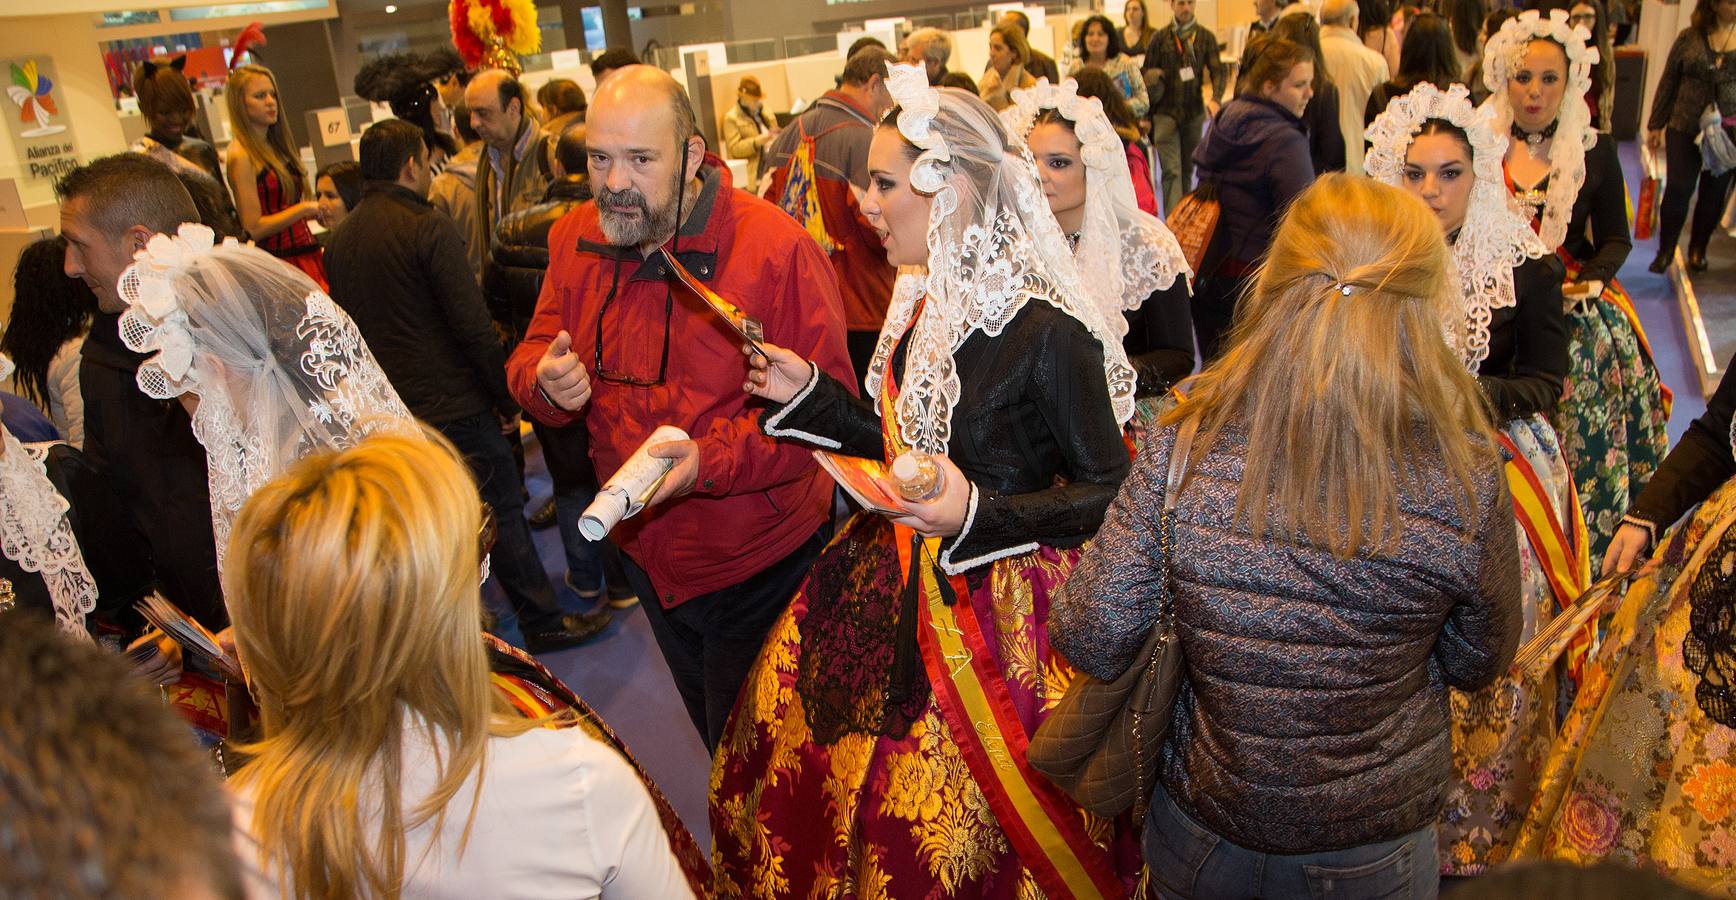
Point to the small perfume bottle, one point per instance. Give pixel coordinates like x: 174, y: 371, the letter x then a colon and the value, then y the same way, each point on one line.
x: 918, y: 477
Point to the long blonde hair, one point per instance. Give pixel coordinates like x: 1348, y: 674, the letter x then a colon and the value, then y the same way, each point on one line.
x: 1340, y: 390
x: 352, y: 582
x: 278, y: 151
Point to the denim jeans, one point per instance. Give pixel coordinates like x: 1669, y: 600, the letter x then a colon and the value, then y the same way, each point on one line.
x: 1188, y: 860
x: 1175, y: 140
x: 514, y: 560
x: 567, y: 453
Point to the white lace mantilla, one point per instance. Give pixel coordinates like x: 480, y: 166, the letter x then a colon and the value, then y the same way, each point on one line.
x: 279, y: 370
x: 1129, y: 253
x: 1496, y: 235
x: 36, y: 534
x: 1574, y: 135
x: 993, y: 245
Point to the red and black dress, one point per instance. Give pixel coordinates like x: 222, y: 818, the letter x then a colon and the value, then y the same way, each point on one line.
x: 294, y: 245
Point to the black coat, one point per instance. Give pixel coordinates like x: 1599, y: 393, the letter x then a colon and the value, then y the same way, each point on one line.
x: 1527, y: 362
x: 1033, y: 404
x: 520, y: 254
x: 146, y: 450
x: 1597, y: 234
x: 1160, y: 339
x: 397, y: 266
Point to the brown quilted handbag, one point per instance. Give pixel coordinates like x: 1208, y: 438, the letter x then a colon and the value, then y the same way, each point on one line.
x: 1100, y: 743
x: 1195, y: 221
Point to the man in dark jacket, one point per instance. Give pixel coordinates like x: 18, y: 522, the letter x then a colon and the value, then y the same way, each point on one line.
x: 519, y: 259
x: 1182, y: 66
x: 144, y: 446
x: 397, y: 266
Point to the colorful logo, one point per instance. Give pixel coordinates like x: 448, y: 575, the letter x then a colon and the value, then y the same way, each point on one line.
x: 31, y: 89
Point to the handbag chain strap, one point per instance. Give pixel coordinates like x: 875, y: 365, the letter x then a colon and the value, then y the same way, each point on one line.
x: 1178, y: 465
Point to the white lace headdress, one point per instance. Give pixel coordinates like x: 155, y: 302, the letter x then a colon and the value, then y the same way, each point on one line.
x: 36, y: 534
x: 993, y: 245
x: 1129, y: 252
x: 1573, y: 132
x: 1496, y: 235
x: 280, y: 371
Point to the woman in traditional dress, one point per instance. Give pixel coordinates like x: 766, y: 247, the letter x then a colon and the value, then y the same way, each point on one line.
x: 1514, y: 339
x: 1613, y: 415
x: 1138, y: 273
x: 275, y: 372
x: 877, y: 748
x: 1644, y: 772
x: 265, y: 173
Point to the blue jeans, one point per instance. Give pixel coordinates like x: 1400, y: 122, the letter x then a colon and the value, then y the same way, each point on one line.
x: 1188, y: 860
x: 514, y: 561
x: 567, y: 453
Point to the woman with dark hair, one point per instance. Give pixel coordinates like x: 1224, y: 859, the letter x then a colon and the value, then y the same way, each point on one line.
x: 1094, y: 83
x: 1381, y: 27
x: 338, y: 188
x: 1099, y: 46
x: 1256, y: 155
x: 44, y: 336
x: 1491, y: 25
x: 1465, y: 21
x: 1136, y: 33
x: 1699, y: 72
x: 1428, y: 58
x: 166, y: 100
x: 1320, y: 118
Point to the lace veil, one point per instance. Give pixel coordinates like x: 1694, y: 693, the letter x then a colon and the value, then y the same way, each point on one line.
x: 1129, y: 252
x: 993, y: 245
x: 1496, y: 236
x: 36, y: 534
x: 279, y: 370
x: 1573, y: 132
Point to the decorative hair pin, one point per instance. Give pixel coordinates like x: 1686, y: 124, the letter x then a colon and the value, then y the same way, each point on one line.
x: 1341, y: 288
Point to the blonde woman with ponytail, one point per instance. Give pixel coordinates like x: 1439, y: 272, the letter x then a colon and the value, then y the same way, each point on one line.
x: 389, y: 766
x: 271, y: 192
x: 1340, y: 553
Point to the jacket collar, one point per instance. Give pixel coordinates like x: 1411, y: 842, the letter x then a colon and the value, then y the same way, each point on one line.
x: 698, y: 246
x: 395, y: 191
x: 572, y: 187
x: 841, y: 99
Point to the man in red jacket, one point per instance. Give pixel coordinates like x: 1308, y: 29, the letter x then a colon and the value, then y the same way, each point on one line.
x: 616, y: 344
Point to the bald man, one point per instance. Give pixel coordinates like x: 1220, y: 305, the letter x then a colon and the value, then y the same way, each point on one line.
x: 615, y: 344
x: 1354, y: 70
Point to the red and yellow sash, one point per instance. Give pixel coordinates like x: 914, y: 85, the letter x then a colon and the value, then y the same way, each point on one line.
x: 1562, y: 554
x: 1045, y: 828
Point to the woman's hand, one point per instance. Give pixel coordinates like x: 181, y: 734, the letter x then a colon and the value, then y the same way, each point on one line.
x: 1627, y: 548
x: 1582, y: 290
x: 1655, y: 139
x: 944, y: 515
x: 776, y: 375
x: 156, y: 658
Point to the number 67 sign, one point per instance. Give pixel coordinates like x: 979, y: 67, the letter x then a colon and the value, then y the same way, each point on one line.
x: 334, y: 126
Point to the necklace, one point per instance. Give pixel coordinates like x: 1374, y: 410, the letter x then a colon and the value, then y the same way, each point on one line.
x: 1724, y: 39
x: 1534, y: 140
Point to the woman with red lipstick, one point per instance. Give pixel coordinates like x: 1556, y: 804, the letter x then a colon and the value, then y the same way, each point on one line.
x: 1513, y: 337
x: 1613, y: 414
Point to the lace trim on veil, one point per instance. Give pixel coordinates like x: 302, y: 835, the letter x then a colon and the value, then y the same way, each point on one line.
x: 36, y: 534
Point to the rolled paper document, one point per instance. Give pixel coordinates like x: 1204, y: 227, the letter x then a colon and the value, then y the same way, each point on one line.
x: 631, y: 485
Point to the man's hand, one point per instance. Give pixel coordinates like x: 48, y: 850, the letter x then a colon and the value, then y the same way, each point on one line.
x: 562, y: 377
x: 156, y: 658
x: 679, y: 481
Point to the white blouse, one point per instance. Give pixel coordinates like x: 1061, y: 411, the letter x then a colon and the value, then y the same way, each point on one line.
x: 561, y: 815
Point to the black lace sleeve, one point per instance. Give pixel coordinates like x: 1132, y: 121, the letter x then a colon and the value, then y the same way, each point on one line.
x: 1160, y: 340
x: 825, y: 414
x: 1067, y: 384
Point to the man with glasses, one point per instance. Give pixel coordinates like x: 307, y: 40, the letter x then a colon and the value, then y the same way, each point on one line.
x: 616, y: 344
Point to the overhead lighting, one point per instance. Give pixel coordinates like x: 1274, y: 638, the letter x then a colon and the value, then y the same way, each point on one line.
x: 390, y: 9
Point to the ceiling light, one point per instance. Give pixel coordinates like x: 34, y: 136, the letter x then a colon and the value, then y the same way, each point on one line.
x: 390, y: 9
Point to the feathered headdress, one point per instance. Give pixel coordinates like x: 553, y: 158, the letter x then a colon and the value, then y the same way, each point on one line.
x: 405, y: 81
x: 494, y: 33
x: 251, y: 36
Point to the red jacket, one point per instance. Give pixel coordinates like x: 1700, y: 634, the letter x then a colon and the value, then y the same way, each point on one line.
x: 756, y: 499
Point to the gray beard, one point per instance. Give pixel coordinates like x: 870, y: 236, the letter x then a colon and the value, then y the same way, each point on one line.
x: 634, y: 231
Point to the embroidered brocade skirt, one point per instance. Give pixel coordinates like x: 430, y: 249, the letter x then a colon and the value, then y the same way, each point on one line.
x: 1641, y: 775
x: 1613, y: 416
x: 1502, y: 733
x: 867, y: 815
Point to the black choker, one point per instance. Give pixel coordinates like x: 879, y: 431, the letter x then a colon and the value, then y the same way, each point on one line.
x: 1534, y: 139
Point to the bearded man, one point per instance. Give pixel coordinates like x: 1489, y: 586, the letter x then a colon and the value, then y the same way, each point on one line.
x: 616, y: 344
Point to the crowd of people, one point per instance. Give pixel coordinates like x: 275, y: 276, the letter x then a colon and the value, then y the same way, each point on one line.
x: 1361, y: 461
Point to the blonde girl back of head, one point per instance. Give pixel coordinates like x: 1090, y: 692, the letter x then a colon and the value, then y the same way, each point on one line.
x: 1338, y: 371
x: 277, y: 150
x: 352, y: 582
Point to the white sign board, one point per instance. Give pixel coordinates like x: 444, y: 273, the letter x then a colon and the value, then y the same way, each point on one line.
x: 561, y: 60
x: 888, y: 37
x: 334, y: 126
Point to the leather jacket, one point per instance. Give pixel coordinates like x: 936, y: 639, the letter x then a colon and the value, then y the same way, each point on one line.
x: 1033, y: 404
x: 513, y: 276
